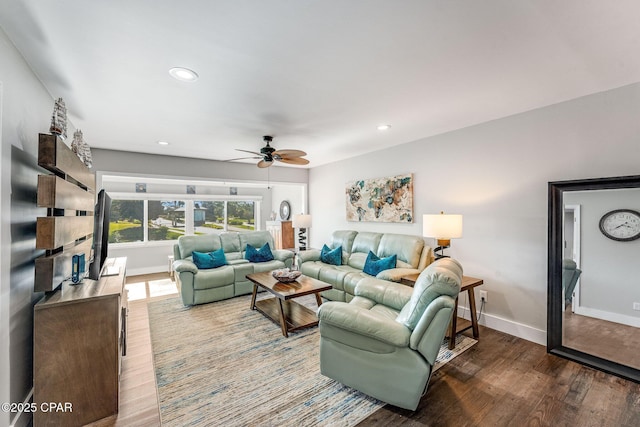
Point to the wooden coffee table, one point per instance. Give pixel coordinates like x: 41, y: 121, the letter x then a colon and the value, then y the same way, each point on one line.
x: 282, y: 309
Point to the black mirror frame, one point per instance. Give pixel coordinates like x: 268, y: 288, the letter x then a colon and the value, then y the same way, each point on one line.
x: 554, y: 273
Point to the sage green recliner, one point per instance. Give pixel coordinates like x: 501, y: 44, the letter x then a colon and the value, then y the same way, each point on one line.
x: 384, y: 342
x: 570, y: 275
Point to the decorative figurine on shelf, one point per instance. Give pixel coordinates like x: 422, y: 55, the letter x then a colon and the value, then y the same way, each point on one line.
x: 59, y: 119
x: 76, y: 144
x: 81, y: 148
x: 86, y: 155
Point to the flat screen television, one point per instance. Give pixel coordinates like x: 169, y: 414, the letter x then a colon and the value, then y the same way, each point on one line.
x: 100, y: 234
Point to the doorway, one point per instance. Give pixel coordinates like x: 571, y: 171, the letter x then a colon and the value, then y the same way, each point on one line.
x: 571, y: 245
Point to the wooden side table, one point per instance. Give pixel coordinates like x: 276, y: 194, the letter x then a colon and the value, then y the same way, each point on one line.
x: 458, y: 324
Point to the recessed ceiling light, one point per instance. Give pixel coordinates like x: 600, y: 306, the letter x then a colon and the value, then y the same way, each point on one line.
x: 183, y: 74
x: 163, y: 143
x: 384, y: 127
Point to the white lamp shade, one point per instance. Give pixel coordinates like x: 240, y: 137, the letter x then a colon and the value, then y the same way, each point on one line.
x: 442, y: 226
x: 301, y: 221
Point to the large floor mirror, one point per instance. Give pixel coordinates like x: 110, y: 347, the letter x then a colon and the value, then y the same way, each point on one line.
x: 594, y: 273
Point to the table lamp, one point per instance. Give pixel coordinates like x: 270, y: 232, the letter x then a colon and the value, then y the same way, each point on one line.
x: 442, y: 227
x: 302, y: 222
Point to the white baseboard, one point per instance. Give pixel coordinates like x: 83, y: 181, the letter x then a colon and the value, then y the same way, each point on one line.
x: 23, y: 419
x: 510, y: 327
x: 607, y: 315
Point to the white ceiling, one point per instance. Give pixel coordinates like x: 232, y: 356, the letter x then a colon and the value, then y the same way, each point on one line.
x: 319, y: 75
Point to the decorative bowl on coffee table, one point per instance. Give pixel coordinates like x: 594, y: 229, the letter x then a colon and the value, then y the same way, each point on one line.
x: 286, y: 275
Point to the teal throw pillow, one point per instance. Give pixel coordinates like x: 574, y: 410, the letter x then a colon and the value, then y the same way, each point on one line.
x: 374, y: 265
x: 218, y: 257
x: 258, y: 255
x: 206, y: 260
x: 333, y: 257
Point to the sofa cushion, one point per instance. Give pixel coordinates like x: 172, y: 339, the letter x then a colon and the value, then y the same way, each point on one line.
x: 208, y: 260
x: 214, y: 278
x: 258, y: 255
x: 331, y: 256
x: 374, y: 265
x: 267, y: 266
x: 234, y: 256
x: 351, y: 280
x: 443, y: 277
x: 365, y: 242
x: 231, y: 242
x: 345, y: 239
x: 331, y: 275
x: 357, y: 260
x: 407, y: 248
x: 256, y: 239
x: 203, y: 243
x: 312, y: 268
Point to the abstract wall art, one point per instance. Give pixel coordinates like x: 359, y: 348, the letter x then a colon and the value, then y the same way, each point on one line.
x: 387, y: 199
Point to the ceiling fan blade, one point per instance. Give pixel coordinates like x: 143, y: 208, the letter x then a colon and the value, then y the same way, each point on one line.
x: 295, y: 161
x: 263, y: 164
x: 251, y: 152
x: 242, y: 158
x: 289, y: 153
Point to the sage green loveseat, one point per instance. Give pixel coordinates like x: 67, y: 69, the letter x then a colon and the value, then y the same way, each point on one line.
x: 203, y: 286
x: 413, y: 256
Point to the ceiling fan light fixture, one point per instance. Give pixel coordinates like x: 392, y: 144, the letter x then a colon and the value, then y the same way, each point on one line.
x: 384, y: 127
x: 183, y: 74
x: 268, y: 155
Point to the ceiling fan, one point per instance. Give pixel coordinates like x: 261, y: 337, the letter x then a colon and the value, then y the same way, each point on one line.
x: 268, y: 154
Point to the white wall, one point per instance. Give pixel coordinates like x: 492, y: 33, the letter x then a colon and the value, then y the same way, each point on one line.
x: 294, y: 194
x: 26, y: 111
x: 608, y: 283
x: 496, y: 175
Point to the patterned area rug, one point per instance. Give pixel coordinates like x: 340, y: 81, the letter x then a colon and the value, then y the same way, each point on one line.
x: 224, y: 364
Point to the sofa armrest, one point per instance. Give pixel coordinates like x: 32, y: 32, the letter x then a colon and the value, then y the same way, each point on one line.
x: 396, y: 274
x: 383, y: 292
x: 361, y: 321
x: 432, y: 326
x: 183, y: 265
x: 282, y: 254
x: 308, y: 255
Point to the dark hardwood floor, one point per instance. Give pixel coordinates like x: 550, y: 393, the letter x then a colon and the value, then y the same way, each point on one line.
x: 507, y: 381
x: 501, y: 381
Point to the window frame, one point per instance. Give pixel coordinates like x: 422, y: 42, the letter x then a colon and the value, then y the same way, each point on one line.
x: 145, y: 197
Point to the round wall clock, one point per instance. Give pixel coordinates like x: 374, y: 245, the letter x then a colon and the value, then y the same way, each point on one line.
x: 622, y: 225
x: 285, y: 210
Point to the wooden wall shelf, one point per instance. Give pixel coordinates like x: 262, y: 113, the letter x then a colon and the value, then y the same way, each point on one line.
x: 69, y: 196
x: 55, y: 156
x: 56, y: 193
x: 57, y: 267
x: 56, y: 231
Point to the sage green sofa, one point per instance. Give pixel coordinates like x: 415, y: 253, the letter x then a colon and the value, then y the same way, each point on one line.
x: 413, y: 257
x: 203, y: 286
x: 384, y: 342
